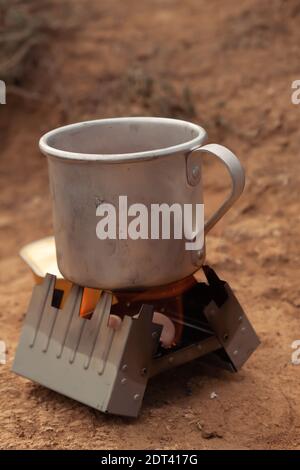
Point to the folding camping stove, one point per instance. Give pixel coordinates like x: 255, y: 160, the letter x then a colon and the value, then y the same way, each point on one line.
x: 84, y: 358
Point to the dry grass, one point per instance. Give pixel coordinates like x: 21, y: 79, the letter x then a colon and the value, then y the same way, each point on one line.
x: 22, y: 29
x: 25, y: 29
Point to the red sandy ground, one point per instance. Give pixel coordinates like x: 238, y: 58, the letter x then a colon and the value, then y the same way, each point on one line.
x: 236, y: 60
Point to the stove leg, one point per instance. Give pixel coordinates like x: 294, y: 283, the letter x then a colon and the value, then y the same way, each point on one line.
x: 229, y: 323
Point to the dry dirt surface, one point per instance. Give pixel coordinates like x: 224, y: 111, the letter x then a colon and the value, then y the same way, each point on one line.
x: 228, y: 66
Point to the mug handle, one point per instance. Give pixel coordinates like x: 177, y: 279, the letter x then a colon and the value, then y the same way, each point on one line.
x: 237, y: 175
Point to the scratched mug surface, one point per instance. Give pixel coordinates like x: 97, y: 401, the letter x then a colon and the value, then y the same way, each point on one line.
x: 149, y: 160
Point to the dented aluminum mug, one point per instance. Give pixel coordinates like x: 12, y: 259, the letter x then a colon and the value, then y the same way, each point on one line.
x: 150, y: 161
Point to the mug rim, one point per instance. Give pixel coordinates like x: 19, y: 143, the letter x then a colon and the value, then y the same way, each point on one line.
x: 189, y: 145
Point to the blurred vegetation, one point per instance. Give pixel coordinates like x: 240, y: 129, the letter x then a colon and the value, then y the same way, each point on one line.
x: 27, y: 32
x: 25, y: 28
x: 158, y: 96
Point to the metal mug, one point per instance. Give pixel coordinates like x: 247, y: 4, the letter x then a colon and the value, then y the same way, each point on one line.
x: 152, y: 161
